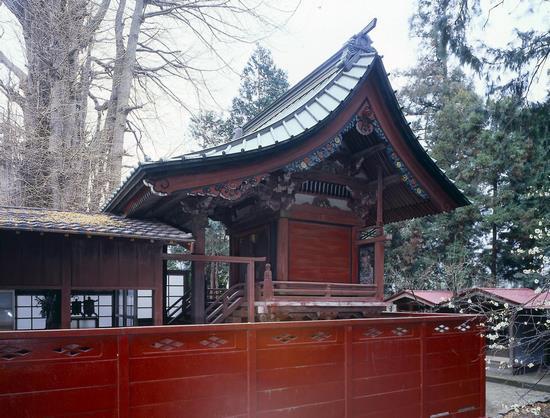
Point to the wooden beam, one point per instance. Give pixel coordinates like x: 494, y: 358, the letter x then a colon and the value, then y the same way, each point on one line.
x: 381, y: 238
x: 212, y: 258
x: 198, y: 291
x: 367, y: 152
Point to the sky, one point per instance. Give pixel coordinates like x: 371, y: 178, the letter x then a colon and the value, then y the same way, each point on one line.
x: 316, y: 30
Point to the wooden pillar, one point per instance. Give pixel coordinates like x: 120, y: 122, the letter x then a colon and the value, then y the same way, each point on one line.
x: 158, y: 291
x: 281, y: 268
x: 198, y: 291
x: 234, y: 269
x: 65, y: 304
x: 379, y: 245
x: 251, y: 291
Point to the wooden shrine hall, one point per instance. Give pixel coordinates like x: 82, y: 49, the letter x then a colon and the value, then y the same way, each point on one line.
x: 304, y: 190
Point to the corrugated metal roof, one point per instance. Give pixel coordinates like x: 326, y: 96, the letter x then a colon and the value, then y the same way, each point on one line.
x: 100, y: 224
x: 298, y: 113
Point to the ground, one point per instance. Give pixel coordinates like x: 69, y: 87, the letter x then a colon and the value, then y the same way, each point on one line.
x: 501, y: 398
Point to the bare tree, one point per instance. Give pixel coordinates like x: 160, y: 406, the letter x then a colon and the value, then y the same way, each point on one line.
x: 109, y: 57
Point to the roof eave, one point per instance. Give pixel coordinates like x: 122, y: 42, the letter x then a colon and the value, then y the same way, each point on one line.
x: 420, y: 153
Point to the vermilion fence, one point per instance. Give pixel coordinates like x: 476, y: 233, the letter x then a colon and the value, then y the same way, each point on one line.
x: 421, y: 366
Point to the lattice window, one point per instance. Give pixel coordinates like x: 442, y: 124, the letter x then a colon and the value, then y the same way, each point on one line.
x: 320, y: 336
x: 10, y: 352
x: 72, y: 350
x: 372, y: 333
x: 29, y: 312
x: 103, y: 309
x: 145, y: 304
x: 463, y: 327
x: 399, y: 331
x: 441, y: 328
x: 285, y: 338
x: 167, y: 344
x: 213, y: 342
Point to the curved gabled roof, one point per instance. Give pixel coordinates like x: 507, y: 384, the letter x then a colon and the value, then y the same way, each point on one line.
x: 297, y: 121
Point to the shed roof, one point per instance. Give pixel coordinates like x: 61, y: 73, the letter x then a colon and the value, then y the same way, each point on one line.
x: 97, y: 224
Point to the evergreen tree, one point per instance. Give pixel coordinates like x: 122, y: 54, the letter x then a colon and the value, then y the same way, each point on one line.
x: 262, y: 82
x: 497, y: 151
x: 209, y: 129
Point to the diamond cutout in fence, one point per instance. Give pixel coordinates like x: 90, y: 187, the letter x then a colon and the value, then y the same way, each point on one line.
x: 167, y: 344
x: 9, y: 352
x: 213, y: 342
x: 400, y: 331
x: 463, y: 327
x: 372, y: 332
x: 320, y: 336
x: 285, y: 338
x: 441, y: 328
x: 72, y: 350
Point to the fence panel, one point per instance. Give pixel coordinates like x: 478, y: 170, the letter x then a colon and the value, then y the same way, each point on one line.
x: 402, y: 367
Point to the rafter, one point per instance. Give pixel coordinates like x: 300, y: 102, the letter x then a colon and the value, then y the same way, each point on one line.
x: 367, y: 152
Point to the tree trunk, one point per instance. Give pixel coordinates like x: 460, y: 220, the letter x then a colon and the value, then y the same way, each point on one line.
x: 494, y: 237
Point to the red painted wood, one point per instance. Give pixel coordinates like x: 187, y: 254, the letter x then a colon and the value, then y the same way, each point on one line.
x: 319, y: 369
x: 319, y: 252
x: 281, y: 270
x: 53, y: 261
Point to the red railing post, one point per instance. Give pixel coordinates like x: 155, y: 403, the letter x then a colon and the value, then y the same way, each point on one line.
x: 251, y: 288
x: 268, y: 282
x: 348, y: 369
x: 123, y: 385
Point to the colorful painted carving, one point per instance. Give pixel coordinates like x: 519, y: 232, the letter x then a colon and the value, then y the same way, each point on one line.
x: 232, y: 190
x: 365, y: 123
x: 318, y: 155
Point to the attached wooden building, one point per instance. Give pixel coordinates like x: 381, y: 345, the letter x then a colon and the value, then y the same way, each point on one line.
x: 51, y: 259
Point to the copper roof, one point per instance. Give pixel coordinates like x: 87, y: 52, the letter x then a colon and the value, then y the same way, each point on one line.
x: 429, y: 297
x: 82, y: 223
x: 528, y: 298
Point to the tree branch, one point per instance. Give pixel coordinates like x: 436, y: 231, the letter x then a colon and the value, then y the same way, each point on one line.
x: 10, y: 65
